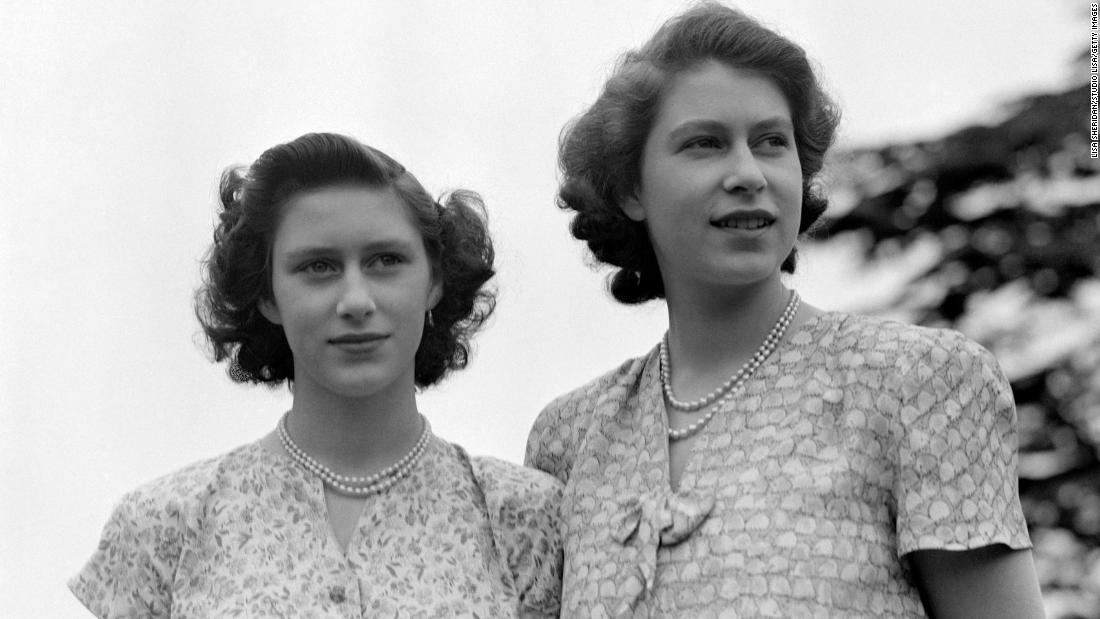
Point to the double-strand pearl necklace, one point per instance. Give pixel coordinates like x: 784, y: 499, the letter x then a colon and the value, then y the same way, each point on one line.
x: 724, y: 392
x: 356, y: 486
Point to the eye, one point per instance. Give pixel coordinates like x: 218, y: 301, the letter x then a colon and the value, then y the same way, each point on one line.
x: 702, y: 142
x: 774, y: 141
x: 388, y: 260
x: 317, y: 267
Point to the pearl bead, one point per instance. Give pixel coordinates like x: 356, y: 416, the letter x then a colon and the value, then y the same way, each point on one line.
x: 732, y: 385
x: 350, y: 485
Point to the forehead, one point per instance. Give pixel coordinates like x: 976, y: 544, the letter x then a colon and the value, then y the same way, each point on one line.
x: 717, y: 91
x: 342, y: 214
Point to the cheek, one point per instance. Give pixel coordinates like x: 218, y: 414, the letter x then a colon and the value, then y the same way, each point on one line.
x: 299, y: 311
x: 407, y: 301
x: 789, y: 191
x: 793, y: 176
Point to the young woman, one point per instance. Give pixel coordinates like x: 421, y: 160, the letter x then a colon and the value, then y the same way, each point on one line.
x: 333, y: 269
x: 766, y: 458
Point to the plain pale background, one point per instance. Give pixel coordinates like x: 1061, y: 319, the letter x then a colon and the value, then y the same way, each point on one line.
x: 117, y: 117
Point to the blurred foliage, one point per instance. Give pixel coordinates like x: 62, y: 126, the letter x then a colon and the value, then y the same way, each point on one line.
x: 995, y: 230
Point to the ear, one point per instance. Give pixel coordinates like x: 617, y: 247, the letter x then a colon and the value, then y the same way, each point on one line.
x: 270, y: 311
x: 632, y: 207
x: 435, y: 294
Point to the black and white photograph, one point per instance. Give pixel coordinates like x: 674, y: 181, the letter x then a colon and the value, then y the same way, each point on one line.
x: 579, y: 309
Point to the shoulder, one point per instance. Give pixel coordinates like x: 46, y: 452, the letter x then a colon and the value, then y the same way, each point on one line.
x: 610, y: 383
x: 175, y: 506
x: 191, y: 485
x: 512, y: 490
x: 907, y: 347
x: 132, y: 570
x: 563, y: 423
x: 921, y: 376
x: 869, y: 331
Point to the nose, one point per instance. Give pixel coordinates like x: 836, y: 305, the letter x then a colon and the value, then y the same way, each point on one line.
x: 743, y: 174
x: 356, y: 299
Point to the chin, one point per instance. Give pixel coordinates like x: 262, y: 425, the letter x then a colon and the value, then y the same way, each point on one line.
x: 743, y: 276
x: 358, y: 387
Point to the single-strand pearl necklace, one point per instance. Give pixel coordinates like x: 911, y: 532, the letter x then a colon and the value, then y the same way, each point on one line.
x: 356, y: 486
x: 723, y: 393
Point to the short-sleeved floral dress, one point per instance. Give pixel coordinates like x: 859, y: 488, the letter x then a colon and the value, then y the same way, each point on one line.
x: 859, y: 440
x: 246, y: 535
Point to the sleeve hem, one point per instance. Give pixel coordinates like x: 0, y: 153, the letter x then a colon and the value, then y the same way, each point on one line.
x: 83, y: 595
x: 974, y: 544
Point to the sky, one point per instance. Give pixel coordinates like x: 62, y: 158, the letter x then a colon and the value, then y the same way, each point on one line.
x: 117, y: 118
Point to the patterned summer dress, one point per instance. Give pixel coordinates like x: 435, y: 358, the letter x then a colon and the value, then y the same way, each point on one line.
x: 245, y: 535
x: 859, y: 440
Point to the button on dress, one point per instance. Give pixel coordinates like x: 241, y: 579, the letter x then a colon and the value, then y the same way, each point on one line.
x: 246, y: 534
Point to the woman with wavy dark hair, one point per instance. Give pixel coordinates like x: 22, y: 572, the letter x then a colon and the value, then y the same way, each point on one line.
x: 766, y: 458
x: 334, y: 271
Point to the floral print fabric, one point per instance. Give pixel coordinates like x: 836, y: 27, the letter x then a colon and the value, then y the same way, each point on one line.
x: 246, y: 535
x: 859, y: 440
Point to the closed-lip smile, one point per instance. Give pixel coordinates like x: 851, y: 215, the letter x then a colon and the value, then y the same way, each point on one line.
x: 352, y: 339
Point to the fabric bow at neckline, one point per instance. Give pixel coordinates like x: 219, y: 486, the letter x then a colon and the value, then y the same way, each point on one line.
x: 642, y: 523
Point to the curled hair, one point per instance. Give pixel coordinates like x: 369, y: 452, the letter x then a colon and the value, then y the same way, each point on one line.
x: 600, y: 152
x: 237, y: 269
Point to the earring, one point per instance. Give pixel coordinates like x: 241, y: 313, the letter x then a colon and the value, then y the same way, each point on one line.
x: 265, y: 372
x: 431, y: 323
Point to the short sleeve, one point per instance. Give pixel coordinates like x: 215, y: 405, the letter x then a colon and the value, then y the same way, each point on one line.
x: 523, y: 507
x: 548, y: 444
x: 130, y: 573
x: 956, y: 484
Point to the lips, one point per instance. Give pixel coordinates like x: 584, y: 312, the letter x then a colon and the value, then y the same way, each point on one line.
x: 744, y: 224
x: 357, y: 339
x: 744, y: 220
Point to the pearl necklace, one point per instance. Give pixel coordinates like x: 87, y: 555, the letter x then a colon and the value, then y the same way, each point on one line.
x: 350, y: 485
x: 723, y: 393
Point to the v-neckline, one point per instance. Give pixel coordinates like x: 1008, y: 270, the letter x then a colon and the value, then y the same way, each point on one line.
x: 356, y: 521
x: 653, y: 399
x: 318, y: 505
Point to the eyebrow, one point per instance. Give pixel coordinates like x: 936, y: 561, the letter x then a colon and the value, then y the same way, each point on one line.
x: 689, y: 127
x: 775, y: 122
x: 381, y: 245
x: 709, y: 125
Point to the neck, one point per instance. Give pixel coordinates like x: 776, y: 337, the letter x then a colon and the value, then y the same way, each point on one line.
x: 354, y: 435
x: 712, y: 333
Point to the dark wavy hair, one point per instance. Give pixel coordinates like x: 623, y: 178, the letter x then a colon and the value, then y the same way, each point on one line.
x: 237, y: 269
x: 600, y: 152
